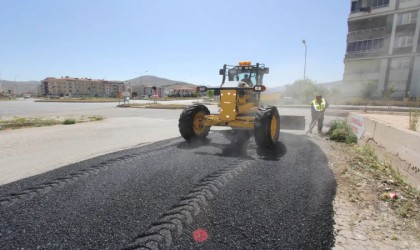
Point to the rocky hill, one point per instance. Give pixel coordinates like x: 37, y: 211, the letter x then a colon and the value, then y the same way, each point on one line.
x: 149, y: 80
x: 23, y: 87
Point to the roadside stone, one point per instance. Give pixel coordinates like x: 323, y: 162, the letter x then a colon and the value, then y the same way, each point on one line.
x: 358, y: 236
x: 341, y: 240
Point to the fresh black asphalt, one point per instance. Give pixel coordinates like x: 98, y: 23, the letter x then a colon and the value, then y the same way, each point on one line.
x: 156, y: 196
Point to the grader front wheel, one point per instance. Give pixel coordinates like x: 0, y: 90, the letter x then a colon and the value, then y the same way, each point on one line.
x: 267, y: 126
x: 191, y: 122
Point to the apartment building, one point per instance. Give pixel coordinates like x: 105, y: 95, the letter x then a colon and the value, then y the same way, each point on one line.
x: 143, y: 90
x: 181, y: 91
x: 68, y: 86
x: 383, y: 47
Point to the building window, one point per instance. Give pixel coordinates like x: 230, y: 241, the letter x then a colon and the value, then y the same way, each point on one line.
x: 355, y: 5
x: 407, y: 18
x: 402, y: 63
x: 379, y: 3
x: 364, y: 46
x: 403, y: 42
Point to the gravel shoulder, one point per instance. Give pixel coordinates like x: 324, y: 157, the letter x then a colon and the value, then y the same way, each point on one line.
x: 362, y: 219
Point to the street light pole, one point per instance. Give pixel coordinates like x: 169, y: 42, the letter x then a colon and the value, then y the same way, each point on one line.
x: 16, y: 86
x: 140, y: 74
x: 304, y: 67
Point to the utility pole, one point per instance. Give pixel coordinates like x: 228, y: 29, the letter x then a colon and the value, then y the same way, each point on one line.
x: 304, y: 67
x: 16, y: 86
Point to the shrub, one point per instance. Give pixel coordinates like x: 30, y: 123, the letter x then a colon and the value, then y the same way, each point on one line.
x: 414, y: 114
x: 340, y: 131
x: 96, y: 118
x: 69, y: 121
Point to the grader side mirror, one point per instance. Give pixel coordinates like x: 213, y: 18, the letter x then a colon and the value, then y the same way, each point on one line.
x: 232, y: 73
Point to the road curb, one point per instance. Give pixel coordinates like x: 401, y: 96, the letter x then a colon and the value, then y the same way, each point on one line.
x: 395, y: 146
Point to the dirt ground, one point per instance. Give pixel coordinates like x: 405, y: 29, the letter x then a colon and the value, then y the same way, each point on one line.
x: 367, y: 216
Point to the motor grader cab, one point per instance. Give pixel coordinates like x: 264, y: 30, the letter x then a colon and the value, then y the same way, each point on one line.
x: 239, y: 94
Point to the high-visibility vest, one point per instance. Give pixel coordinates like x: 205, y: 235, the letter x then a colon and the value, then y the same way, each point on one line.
x: 319, y: 106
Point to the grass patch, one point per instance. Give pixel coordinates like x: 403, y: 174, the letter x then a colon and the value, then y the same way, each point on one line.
x: 22, y: 122
x: 25, y: 122
x: 406, y: 204
x: 340, y: 131
x: 69, y: 121
x: 81, y: 100
x: 4, y: 98
x: 96, y: 118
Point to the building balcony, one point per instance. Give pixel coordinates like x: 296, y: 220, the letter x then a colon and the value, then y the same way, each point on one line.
x: 367, y: 34
x: 376, y: 30
x: 370, y: 7
x: 403, y: 50
x: 404, y: 4
x: 406, y: 28
x: 363, y: 54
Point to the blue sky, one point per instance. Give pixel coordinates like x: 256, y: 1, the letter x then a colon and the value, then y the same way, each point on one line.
x: 183, y: 40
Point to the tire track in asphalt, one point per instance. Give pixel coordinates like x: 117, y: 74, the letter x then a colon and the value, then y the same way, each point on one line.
x: 171, y: 224
x: 44, y: 188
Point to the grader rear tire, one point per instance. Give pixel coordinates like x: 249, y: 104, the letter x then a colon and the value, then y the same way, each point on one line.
x: 190, y: 122
x: 267, y: 127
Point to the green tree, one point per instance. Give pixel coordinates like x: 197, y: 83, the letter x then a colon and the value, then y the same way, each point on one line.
x: 366, y: 91
x: 210, y: 94
x: 303, y: 91
x: 387, y: 95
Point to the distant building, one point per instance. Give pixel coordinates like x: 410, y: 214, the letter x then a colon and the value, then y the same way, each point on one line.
x: 181, y: 91
x: 77, y: 87
x: 143, y: 90
x: 383, y: 46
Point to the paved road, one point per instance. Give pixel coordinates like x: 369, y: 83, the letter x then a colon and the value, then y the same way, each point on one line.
x: 27, y: 152
x: 158, y: 195
x: 29, y: 108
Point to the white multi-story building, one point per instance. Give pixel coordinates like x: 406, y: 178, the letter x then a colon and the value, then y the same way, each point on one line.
x: 383, y: 46
x: 143, y: 90
x: 68, y: 86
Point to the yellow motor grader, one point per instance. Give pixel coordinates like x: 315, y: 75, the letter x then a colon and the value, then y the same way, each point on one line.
x: 239, y: 94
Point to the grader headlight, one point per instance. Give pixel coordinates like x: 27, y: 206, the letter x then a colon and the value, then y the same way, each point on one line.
x: 259, y: 88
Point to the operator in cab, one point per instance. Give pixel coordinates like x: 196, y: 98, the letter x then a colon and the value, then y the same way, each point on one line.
x: 246, y: 80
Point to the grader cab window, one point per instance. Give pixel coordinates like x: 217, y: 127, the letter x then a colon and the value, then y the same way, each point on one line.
x: 238, y: 76
x: 251, y: 75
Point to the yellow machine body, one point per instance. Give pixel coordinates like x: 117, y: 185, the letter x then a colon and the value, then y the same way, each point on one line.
x: 236, y: 110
